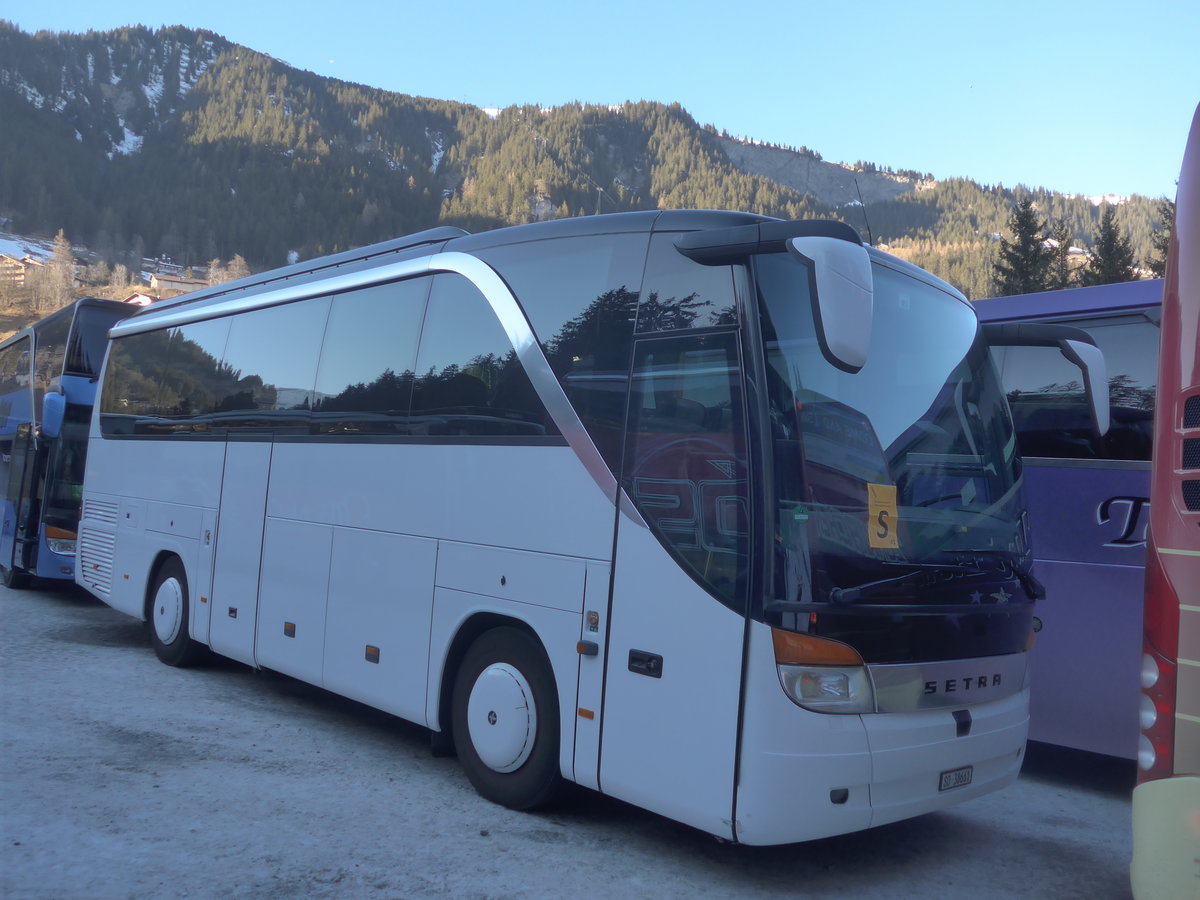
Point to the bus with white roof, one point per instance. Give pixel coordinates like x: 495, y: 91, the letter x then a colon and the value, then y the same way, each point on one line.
x: 717, y: 514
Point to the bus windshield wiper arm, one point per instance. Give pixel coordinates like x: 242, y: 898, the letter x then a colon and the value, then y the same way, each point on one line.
x: 930, y: 573
x: 927, y: 572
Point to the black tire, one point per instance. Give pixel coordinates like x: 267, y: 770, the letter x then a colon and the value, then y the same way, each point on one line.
x: 516, y: 766
x: 16, y: 580
x: 167, y: 612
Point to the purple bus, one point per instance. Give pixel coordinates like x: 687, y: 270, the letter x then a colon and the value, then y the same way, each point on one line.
x: 1089, y: 501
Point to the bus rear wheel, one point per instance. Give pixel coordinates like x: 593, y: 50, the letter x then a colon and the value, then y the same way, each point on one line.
x: 505, y: 720
x: 168, y: 617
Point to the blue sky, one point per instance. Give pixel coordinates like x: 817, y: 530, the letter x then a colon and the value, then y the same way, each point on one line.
x: 1089, y: 98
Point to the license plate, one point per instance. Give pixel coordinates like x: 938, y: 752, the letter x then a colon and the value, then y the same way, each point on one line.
x: 956, y: 778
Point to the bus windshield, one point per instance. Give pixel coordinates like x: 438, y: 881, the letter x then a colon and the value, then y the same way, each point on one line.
x: 899, y: 485
x: 64, y: 470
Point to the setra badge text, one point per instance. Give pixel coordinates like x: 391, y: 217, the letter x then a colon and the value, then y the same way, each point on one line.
x: 955, y: 685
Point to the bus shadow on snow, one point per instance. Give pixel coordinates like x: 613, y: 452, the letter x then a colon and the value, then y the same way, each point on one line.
x: 1095, y: 772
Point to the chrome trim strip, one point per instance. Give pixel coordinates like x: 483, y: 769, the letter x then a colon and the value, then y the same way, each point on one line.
x: 947, y: 684
x: 1127, y: 465
x: 503, y: 303
x: 172, y: 318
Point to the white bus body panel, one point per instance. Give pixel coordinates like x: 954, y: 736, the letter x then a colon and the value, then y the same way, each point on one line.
x: 590, y: 696
x: 890, y: 764
x: 669, y: 743
x: 293, y: 598
x: 121, y: 533
x: 380, y: 594
x: 372, y: 557
x: 485, y: 495
x: 239, y: 548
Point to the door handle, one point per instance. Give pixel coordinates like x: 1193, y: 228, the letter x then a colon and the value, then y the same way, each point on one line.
x: 644, y: 663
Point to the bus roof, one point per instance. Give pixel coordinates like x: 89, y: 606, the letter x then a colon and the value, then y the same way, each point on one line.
x: 300, y: 278
x: 1101, y: 298
x: 67, y: 312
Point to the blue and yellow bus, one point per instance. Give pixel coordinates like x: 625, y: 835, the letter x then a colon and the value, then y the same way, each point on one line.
x: 48, y: 375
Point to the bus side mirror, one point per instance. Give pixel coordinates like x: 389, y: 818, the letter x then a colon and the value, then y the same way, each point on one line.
x: 844, y: 301
x: 54, y: 410
x: 1075, y: 344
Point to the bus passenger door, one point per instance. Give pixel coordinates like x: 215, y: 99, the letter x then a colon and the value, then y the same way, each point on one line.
x: 674, y: 654
x: 234, y: 602
x: 19, y: 511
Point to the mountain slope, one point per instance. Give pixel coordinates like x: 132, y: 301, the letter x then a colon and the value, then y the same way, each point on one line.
x: 179, y: 142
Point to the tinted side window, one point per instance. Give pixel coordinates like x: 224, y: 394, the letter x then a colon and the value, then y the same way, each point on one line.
x: 49, y: 353
x: 468, y: 378
x: 14, y: 384
x: 364, y: 383
x: 1049, y: 407
x: 272, y: 356
x: 162, y: 381
x: 133, y: 381
x: 678, y: 293
x: 195, y: 378
x: 581, y: 295
x: 686, y: 466
x: 90, y: 338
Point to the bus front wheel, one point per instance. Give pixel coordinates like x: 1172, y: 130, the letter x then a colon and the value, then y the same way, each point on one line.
x: 505, y: 720
x: 168, y: 617
x: 16, y: 579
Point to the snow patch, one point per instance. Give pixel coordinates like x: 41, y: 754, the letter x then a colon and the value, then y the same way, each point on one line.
x: 153, y: 88
x: 438, y: 143
x: 129, y: 144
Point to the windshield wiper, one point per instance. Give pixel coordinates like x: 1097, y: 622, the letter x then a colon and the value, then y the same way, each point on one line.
x: 919, y: 573
x: 978, y: 563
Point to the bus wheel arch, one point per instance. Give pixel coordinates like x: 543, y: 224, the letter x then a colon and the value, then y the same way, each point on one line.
x: 503, y: 713
x: 167, y: 612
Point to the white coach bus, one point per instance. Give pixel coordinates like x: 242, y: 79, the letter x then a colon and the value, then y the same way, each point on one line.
x: 717, y: 514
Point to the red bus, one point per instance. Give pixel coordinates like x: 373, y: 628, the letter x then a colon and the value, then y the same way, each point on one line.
x: 1166, y: 801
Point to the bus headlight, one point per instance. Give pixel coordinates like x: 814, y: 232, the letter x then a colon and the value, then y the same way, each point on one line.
x: 829, y: 689
x: 822, y: 675
x: 59, y: 540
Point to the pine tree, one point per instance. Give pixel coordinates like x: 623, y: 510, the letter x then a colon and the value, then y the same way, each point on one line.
x: 1160, y: 240
x: 1112, y: 255
x: 1021, y: 266
x: 1058, y: 268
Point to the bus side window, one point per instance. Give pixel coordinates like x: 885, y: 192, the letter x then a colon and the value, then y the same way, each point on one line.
x: 134, y: 385
x: 679, y: 293
x: 469, y: 381
x: 273, y: 354
x: 365, y: 378
x: 686, y: 466
x: 580, y: 295
x: 1048, y: 405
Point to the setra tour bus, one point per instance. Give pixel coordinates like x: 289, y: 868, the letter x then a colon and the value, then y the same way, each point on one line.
x: 1089, y: 502
x: 717, y: 514
x: 48, y: 375
x: 1166, y: 801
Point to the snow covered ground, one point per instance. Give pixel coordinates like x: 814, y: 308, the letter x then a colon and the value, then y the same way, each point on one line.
x: 18, y: 247
x: 123, y: 778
